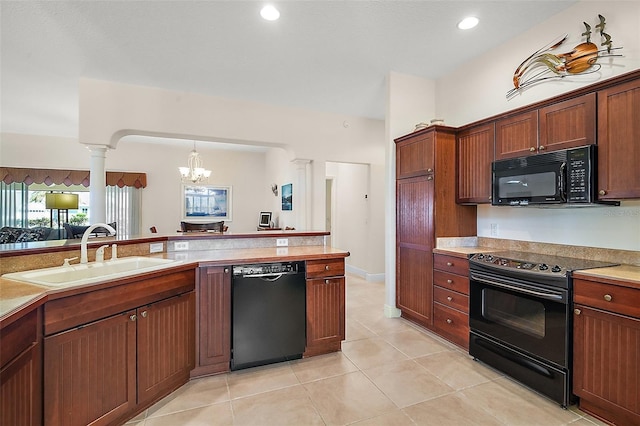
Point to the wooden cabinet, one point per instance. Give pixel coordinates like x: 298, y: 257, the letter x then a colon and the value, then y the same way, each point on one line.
x: 325, y: 306
x: 415, y: 157
x: 559, y: 125
x: 451, y: 298
x: 475, y: 147
x: 213, y: 320
x: 425, y: 209
x: 606, y: 349
x: 20, y: 372
x: 568, y: 124
x: 517, y: 135
x: 618, y: 136
x: 103, y: 364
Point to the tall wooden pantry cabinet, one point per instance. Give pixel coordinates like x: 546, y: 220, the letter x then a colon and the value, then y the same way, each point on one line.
x: 425, y: 210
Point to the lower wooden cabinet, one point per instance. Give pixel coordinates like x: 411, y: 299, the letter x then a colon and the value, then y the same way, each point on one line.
x: 451, y: 298
x: 606, y: 350
x: 106, y: 370
x: 20, y: 373
x: 325, y: 307
x: 213, y: 320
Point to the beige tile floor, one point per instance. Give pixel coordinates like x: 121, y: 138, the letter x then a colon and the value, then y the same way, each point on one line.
x: 388, y: 373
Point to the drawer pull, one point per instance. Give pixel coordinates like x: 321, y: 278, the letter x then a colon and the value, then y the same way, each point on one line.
x: 449, y: 264
x: 326, y: 267
x: 608, y: 297
x: 133, y: 317
x: 449, y: 320
x: 449, y: 298
x: 577, y: 311
x: 449, y: 281
x: 144, y: 314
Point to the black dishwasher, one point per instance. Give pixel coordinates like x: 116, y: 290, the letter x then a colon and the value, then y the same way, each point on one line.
x: 268, y: 313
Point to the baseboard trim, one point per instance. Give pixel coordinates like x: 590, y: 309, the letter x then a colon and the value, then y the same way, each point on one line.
x: 364, y: 274
x: 391, y: 311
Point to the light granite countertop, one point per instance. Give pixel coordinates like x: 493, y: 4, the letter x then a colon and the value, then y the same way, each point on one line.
x: 627, y: 273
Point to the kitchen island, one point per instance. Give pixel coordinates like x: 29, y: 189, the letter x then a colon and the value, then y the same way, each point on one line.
x: 193, y: 295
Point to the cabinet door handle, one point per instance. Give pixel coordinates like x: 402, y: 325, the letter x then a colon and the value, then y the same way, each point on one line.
x: 577, y: 311
x: 541, y: 148
x: 326, y: 281
x: 429, y: 170
x: 608, y: 297
x: 449, y: 281
x: 449, y: 320
x: 449, y: 264
x: 226, y: 270
x: 133, y: 317
x: 144, y: 314
x: 602, y: 192
x: 449, y: 298
x: 532, y: 149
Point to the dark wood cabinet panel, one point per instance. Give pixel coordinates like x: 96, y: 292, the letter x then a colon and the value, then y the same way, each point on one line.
x: 414, y: 284
x: 414, y: 219
x: 213, y: 324
x: 475, y: 152
x: 165, y: 345
x: 451, y: 264
x: 90, y: 372
x: 451, y: 298
x: 607, y: 364
x: 568, y: 124
x: 618, y: 136
x: 325, y: 315
x: 324, y: 268
x: 21, y: 389
x: 451, y: 324
x: 415, y: 156
x: 517, y: 136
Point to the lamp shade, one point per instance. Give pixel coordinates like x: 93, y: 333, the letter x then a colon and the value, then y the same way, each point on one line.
x: 61, y: 201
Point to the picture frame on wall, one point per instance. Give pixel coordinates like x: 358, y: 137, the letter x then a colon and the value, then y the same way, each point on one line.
x: 287, y: 196
x: 206, y: 202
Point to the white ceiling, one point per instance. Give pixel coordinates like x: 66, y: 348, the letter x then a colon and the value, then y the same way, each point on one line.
x: 323, y: 55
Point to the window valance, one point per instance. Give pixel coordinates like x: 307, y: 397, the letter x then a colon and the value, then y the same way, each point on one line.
x: 69, y: 177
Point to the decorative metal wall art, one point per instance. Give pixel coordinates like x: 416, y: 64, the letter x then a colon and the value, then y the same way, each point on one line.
x: 544, y: 65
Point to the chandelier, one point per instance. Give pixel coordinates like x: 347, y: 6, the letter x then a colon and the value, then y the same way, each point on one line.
x: 194, y: 172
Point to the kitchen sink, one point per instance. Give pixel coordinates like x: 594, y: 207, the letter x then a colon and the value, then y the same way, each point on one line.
x: 88, y: 273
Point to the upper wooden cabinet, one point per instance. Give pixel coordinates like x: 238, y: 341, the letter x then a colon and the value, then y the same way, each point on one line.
x: 560, y: 125
x: 414, y: 157
x: 568, y: 124
x: 619, y: 141
x: 517, y: 136
x: 475, y: 154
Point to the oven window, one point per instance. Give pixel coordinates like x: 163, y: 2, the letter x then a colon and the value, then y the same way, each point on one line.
x: 531, y: 185
x: 514, y: 312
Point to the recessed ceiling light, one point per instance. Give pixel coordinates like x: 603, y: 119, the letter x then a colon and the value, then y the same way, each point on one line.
x: 468, y: 23
x: 270, y: 13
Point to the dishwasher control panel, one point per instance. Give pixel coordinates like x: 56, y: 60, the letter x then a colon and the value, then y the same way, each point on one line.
x: 268, y: 269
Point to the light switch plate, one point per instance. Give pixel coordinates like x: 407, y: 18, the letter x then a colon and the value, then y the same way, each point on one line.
x: 156, y: 248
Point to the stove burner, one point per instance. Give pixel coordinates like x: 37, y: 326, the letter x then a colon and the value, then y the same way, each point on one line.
x: 535, y: 263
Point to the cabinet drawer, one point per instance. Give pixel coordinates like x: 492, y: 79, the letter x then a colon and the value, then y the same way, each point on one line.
x: 18, y: 336
x: 72, y: 311
x: 452, y: 264
x: 622, y: 300
x: 325, y: 268
x: 451, y: 299
x: 451, y: 324
x: 453, y: 282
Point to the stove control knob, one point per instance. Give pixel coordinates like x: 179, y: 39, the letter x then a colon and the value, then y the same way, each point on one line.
x: 556, y: 269
x: 489, y: 258
x: 480, y: 256
x: 543, y: 267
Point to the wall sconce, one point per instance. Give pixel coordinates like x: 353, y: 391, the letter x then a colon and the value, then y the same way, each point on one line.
x: 274, y: 189
x: 61, y: 202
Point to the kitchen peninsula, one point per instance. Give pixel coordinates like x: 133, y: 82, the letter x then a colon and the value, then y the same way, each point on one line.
x: 168, y: 325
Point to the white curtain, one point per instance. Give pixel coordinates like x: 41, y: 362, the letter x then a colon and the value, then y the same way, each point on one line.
x: 14, y: 205
x: 124, y: 206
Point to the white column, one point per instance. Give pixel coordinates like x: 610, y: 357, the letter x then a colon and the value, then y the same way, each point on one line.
x: 302, y: 194
x: 98, y: 187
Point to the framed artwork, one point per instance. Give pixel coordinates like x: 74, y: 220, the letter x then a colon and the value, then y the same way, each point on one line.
x: 265, y: 220
x: 206, y: 202
x: 287, y: 196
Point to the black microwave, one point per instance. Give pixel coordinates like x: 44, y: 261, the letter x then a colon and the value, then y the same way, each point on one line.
x: 559, y: 177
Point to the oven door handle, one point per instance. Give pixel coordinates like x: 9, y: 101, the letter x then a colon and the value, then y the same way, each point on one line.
x: 502, y: 283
